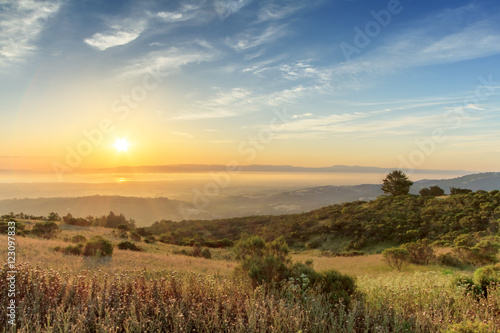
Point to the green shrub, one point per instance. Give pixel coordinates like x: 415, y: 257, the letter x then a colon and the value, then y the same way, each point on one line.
x: 45, y: 230
x: 486, y: 276
x: 78, y: 239
x: 396, y: 257
x: 99, y: 247
x: 150, y: 239
x: 420, y: 252
x: 472, y: 250
x: 74, y: 250
x: 270, y: 264
x: 206, y: 253
x: 126, y: 245
x: 448, y: 259
x: 135, y: 236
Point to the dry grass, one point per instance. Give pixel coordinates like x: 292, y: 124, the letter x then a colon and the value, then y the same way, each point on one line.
x: 39, y: 252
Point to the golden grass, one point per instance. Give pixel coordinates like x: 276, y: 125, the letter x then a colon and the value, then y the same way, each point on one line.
x: 40, y: 252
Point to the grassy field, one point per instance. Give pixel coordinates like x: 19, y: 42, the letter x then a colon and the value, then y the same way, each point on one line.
x: 158, y: 291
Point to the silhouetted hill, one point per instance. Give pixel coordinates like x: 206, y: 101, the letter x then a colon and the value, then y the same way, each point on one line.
x: 487, y: 181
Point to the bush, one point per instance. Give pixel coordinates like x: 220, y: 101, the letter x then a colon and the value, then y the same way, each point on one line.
x: 396, y: 257
x: 126, y: 245
x: 150, y: 239
x: 135, y: 236
x: 448, y: 259
x: 45, y: 230
x: 206, y: 254
x: 474, y: 251
x: 78, y: 239
x: 420, y: 252
x: 433, y: 191
x: 75, y: 250
x: 98, y: 247
x: 487, y: 275
x: 270, y: 264
x: 20, y: 228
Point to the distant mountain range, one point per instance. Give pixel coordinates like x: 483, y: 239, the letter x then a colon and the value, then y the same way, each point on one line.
x: 254, y: 168
x: 148, y: 210
x: 187, y: 168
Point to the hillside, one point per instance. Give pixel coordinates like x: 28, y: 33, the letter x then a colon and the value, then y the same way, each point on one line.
x: 361, y: 224
x: 487, y: 181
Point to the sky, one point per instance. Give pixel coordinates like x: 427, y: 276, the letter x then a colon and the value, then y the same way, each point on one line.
x: 407, y: 84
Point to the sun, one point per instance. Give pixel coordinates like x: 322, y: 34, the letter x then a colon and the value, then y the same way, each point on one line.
x: 121, y: 144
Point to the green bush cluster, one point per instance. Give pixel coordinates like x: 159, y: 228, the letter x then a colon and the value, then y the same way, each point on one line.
x: 98, y: 246
x: 126, y: 245
x: 270, y: 264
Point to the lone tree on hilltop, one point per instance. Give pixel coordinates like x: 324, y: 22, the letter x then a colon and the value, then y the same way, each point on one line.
x: 397, y: 183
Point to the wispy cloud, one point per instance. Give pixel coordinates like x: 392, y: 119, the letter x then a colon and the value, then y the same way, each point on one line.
x: 225, y: 8
x: 427, y: 45
x: 276, y: 10
x: 166, y: 62
x: 21, y: 23
x: 117, y: 34
x: 253, y: 37
x: 224, y: 104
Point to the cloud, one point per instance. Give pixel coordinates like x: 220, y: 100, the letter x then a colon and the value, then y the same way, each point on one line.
x: 117, y: 34
x: 225, y: 8
x: 21, y: 23
x: 424, y: 46
x: 224, y: 104
x: 276, y: 10
x: 166, y: 62
x: 172, y: 16
x: 253, y: 38
x: 297, y: 116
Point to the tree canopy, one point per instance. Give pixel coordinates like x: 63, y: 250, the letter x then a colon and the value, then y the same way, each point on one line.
x: 397, y: 183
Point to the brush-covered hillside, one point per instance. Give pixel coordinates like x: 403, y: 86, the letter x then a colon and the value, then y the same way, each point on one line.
x: 361, y: 224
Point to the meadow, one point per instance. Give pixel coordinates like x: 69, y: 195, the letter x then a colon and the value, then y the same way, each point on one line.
x: 159, y: 290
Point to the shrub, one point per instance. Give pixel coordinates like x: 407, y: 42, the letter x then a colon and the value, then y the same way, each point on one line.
x: 206, y: 253
x: 45, y: 230
x: 396, y: 257
x: 126, y: 245
x: 270, y: 264
x: 150, y: 239
x: 474, y: 251
x: 4, y: 228
x: 135, y: 236
x: 75, y: 250
x: 78, y: 239
x: 448, y: 259
x: 487, y: 275
x: 433, y: 191
x: 99, y: 247
x: 420, y: 252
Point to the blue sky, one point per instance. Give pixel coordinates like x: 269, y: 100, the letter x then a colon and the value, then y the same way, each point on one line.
x: 380, y: 83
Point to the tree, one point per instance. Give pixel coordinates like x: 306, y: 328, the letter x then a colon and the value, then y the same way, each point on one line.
x: 397, y: 183
x: 54, y: 217
x: 433, y: 191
